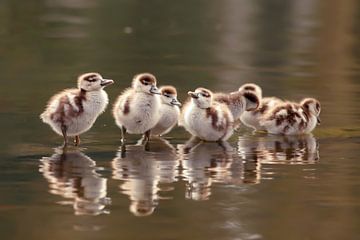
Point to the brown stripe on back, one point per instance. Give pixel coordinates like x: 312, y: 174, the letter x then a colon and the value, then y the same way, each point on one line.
x: 60, y: 115
x: 212, y: 113
x: 79, y: 99
x: 291, y: 115
x: 126, y: 109
x: 275, y: 111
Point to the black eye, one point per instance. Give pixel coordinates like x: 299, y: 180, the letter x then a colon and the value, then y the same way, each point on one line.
x: 146, y: 83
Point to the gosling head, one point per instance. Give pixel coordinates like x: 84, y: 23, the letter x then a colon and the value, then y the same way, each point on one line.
x: 145, y: 82
x: 202, y: 97
x: 169, y: 96
x: 312, y: 106
x: 251, y: 87
x: 93, y: 82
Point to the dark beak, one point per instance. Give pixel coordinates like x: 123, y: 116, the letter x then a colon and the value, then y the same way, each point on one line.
x: 175, y: 102
x: 318, y: 120
x: 106, y: 82
x: 154, y: 90
x: 193, y: 95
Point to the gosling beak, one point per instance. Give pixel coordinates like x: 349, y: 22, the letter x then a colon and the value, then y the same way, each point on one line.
x: 175, y: 102
x: 193, y: 95
x: 106, y: 82
x: 318, y: 120
x: 154, y: 90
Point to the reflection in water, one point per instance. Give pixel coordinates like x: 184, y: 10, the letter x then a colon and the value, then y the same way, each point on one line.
x: 205, y: 163
x: 276, y: 149
x: 71, y: 174
x: 144, y: 174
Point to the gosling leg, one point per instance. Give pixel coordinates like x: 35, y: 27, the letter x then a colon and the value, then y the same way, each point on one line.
x: 123, y: 133
x: 63, y: 130
x: 77, y: 140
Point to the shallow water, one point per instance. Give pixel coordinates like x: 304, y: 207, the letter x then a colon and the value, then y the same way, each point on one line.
x: 253, y: 187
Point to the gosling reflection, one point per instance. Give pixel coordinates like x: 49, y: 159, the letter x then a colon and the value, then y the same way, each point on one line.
x: 280, y: 149
x: 205, y: 163
x: 71, y: 174
x: 146, y: 174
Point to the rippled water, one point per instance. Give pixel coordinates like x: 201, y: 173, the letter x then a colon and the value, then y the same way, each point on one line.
x: 255, y: 186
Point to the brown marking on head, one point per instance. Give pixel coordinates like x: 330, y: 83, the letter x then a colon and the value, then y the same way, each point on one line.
x: 90, y: 77
x: 146, y: 78
x: 204, y: 92
x: 306, y: 104
x: 168, y: 90
x: 249, y: 88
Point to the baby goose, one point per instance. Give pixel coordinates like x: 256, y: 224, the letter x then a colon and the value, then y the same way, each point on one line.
x: 207, y: 119
x: 73, y: 111
x: 238, y: 102
x: 136, y: 111
x: 290, y: 118
x: 252, y: 118
x: 169, y: 111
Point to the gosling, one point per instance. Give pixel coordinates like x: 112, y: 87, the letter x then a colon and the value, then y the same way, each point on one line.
x: 74, y: 111
x: 137, y: 109
x: 169, y: 111
x: 238, y: 102
x: 252, y: 118
x: 290, y: 118
x: 205, y: 118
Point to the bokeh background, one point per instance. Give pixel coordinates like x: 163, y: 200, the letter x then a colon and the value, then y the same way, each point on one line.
x: 267, y: 187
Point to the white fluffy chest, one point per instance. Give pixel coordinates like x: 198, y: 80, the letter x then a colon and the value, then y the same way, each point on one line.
x: 95, y: 103
x: 144, y: 113
x: 168, y: 115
